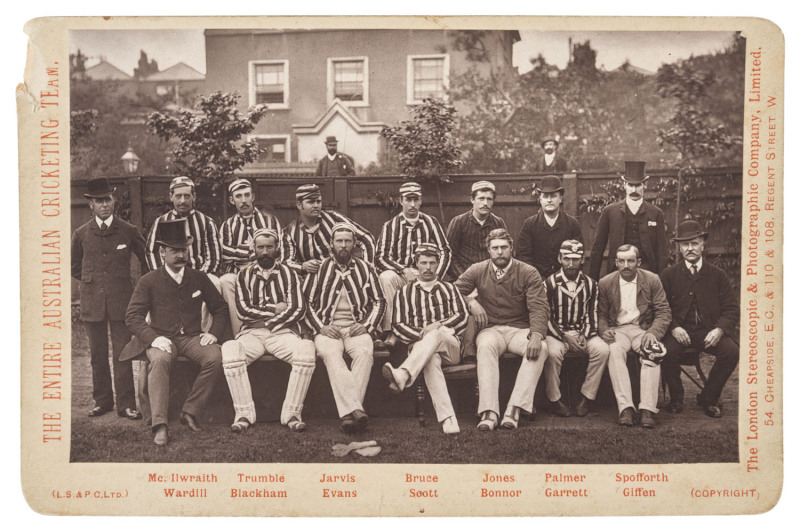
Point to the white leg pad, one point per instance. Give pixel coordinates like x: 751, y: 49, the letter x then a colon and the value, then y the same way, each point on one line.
x: 234, y: 365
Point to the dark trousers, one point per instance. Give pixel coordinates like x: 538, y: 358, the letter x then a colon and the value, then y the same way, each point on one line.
x: 101, y: 373
x: 727, y: 357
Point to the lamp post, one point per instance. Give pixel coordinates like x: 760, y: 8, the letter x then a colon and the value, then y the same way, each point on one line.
x: 130, y: 162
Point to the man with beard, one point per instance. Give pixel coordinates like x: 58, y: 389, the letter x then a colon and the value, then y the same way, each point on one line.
x: 101, y: 261
x: 173, y: 295
x: 511, y: 313
x: 429, y: 316
x: 633, y: 314
x: 550, y: 162
x: 308, y: 238
x: 542, y: 234
x: 632, y: 221
x: 237, y: 237
x: 399, y: 237
x: 335, y: 164
x: 704, y: 317
x: 572, y: 297
x: 271, y: 307
x: 345, y: 307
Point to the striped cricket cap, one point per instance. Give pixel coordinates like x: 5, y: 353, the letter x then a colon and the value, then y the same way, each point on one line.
x: 410, y: 188
x: 307, y: 191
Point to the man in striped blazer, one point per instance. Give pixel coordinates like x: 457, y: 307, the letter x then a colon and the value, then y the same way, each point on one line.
x: 271, y: 306
x: 430, y: 316
x: 345, y: 307
x: 572, y: 297
x: 399, y: 237
x: 308, y: 237
x: 236, y: 241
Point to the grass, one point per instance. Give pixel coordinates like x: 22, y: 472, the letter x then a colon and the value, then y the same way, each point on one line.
x: 687, y: 438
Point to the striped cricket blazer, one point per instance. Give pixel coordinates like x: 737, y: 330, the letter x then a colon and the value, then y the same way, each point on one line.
x: 204, y: 254
x: 399, y: 238
x: 415, y: 308
x: 236, y: 235
x: 258, y: 292
x: 575, y: 311
x: 303, y: 245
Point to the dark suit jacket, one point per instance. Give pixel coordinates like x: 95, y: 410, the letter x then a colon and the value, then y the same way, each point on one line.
x: 559, y: 165
x: 538, y: 243
x: 172, y: 307
x: 650, y: 299
x: 341, y: 166
x: 101, y: 261
x: 716, y: 302
x: 611, y: 230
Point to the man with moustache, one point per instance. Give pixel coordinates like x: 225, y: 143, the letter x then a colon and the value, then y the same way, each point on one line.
x: 236, y: 241
x: 633, y: 314
x: 511, y: 313
x: 345, y: 308
x: 271, y: 306
x: 335, y: 164
x: 572, y: 297
x: 308, y: 238
x: 397, y: 241
x: 429, y: 316
x: 467, y: 232
x: 542, y: 234
x: 550, y: 162
x: 101, y: 253
x: 173, y: 295
x: 705, y: 314
x: 632, y: 221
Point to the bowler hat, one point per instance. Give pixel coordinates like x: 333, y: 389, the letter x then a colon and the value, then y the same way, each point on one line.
x: 174, y: 234
x: 550, y: 184
x: 331, y: 140
x: 548, y: 139
x: 98, y: 188
x: 689, y: 229
x: 634, y: 172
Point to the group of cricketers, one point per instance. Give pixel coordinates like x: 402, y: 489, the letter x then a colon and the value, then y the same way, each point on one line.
x: 324, y: 287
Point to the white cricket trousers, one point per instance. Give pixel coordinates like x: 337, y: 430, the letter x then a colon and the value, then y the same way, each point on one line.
x: 349, y: 386
x: 627, y: 338
x: 597, y: 351
x: 427, y: 356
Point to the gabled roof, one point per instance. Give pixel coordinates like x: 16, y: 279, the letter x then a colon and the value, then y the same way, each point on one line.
x: 338, y: 108
x: 177, y: 72
x: 105, y: 71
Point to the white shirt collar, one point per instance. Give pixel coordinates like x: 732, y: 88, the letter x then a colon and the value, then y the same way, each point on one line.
x: 331, y: 157
x: 550, y: 222
x: 549, y: 158
x: 107, y: 221
x: 622, y: 280
x: 410, y: 220
x: 495, y: 268
x: 699, y: 264
x: 427, y: 286
x: 634, y: 206
x: 177, y: 277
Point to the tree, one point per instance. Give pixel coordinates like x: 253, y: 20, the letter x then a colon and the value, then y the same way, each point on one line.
x: 425, y: 145
x: 209, y: 140
x: 146, y: 67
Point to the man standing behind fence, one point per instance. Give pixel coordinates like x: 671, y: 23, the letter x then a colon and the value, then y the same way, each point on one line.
x: 335, y: 164
x: 632, y: 221
x: 345, y: 308
x: 101, y: 260
x: 309, y: 236
x: 237, y: 241
x: 550, y: 162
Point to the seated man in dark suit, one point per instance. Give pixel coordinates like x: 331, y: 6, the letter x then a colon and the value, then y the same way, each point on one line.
x: 704, y: 317
x: 173, y: 294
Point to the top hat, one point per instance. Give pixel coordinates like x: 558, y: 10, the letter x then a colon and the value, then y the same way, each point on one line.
x: 689, y: 229
x: 98, y: 188
x: 331, y: 140
x: 550, y: 184
x: 634, y: 172
x: 410, y: 188
x: 174, y: 234
x: 548, y: 139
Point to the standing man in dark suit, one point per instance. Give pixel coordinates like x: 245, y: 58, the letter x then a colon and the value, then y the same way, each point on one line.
x: 101, y: 261
x: 550, y: 162
x: 335, y: 164
x: 173, y: 294
x: 632, y: 221
x: 704, y: 316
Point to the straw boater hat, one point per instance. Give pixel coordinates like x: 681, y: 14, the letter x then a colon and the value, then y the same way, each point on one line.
x: 688, y: 230
x: 238, y: 184
x: 177, y: 182
x: 174, y: 234
x: 410, y: 188
x: 98, y: 188
x: 634, y: 172
x: 307, y: 191
x: 550, y: 184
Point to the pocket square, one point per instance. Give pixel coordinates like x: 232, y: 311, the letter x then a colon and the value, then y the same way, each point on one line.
x: 121, y: 246
x: 196, y: 294
x: 651, y: 223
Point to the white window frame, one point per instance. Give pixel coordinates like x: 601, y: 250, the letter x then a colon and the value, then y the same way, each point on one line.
x: 410, y: 76
x: 287, y: 156
x: 331, y: 83
x: 251, y: 82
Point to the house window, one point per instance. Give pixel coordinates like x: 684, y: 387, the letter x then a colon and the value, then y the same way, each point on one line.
x: 428, y: 77
x: 348, y: 80
x: 274, y: 148
x: 269, y: 83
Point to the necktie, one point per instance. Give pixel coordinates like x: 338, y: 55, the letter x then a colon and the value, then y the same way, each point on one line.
x: 500, y: 273
x: 694, y: 269
x: 103, y: 226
